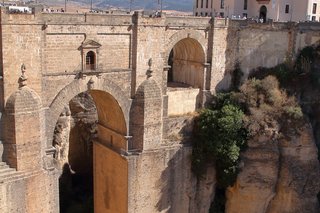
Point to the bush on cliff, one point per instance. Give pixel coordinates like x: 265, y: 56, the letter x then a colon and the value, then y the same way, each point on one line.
x: 219, y: 137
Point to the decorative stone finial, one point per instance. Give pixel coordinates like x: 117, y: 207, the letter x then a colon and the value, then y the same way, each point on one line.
x: 90, y: 84
x: 149, y: 71
x: 23, y: 78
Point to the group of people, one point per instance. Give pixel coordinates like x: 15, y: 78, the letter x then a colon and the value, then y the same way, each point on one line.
x: 19, y: 9
x: 50, y: 10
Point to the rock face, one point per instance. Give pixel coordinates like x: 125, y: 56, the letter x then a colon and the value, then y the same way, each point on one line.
x: 61, y: 138
x: 74, y: 132
x: 278, y: 176
x: 199, y: 192
x: 203, y: 192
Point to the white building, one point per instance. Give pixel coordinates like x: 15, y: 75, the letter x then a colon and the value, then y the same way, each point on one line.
x: 277, y: 10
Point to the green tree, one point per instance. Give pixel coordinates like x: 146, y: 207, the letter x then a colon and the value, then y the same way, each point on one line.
x: 220, y: 135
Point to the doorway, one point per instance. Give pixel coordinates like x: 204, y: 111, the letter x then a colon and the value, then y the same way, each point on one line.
x: 263, y: 13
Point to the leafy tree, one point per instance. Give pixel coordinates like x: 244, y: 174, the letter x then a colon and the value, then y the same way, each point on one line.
x: 220, y: 135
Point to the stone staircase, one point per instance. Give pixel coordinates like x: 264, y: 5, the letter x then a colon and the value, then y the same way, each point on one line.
x: 8, y: 174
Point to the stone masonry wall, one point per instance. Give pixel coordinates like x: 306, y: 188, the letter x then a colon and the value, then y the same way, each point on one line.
x: 29, y: 193
x: 52, y: 48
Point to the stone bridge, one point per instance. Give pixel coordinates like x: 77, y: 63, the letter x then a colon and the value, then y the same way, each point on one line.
x: 147, y: 75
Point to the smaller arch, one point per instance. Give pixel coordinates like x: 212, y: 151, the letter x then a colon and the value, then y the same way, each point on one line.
x: 90, y: 60
x: 186, y: 56
x: 187, y: 60
x: 174, y: 39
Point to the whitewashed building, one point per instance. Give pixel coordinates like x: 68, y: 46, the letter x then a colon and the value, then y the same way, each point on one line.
x: 277, y: 10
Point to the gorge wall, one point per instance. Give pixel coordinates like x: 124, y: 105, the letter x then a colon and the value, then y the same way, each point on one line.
x: 278, y: 176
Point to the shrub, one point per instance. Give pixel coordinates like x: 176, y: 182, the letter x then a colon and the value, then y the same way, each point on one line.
x: 220, y: 135
x: 294, y: 112
x: 305, y: 57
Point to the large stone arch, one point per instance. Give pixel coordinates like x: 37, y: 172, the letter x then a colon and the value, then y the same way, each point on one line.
x: 110, y: 167
x: 175, y: 38
x: 78, y: 86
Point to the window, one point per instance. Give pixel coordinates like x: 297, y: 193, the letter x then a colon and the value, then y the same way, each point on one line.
x: 197, y: 4
x: 245, y: 4
x: 244, y: 15
x: 196, y: 13
x: 287, y: 8
x: 222, y: 4
x: 206, y: 14
x: 313, y: 18
x: 90, y: 61
x: 202, y: 3
x: 207, y: 3
x: 314, y: 8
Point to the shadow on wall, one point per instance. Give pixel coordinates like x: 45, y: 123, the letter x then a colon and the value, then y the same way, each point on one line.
x: 180, y: 190
x: 168, y: 182
x: 76, y: 192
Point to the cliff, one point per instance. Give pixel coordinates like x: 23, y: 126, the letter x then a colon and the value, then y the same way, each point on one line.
x: 280, y: 169
x: 278, y: 175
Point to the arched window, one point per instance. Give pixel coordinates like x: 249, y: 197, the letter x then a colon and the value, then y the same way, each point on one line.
x: 90, y: 61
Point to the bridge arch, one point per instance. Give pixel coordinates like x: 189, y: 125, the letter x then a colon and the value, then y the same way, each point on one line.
x: 106, y: 86
x: 109, y: 172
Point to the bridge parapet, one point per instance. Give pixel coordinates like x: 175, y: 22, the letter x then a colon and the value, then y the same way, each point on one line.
x: 187, y: 21
x: 38, y: 17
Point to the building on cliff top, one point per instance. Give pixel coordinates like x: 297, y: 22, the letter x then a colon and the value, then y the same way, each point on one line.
x: 277, y: 10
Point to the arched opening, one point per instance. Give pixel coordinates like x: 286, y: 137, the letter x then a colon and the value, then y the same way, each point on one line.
x: 91, y: 61
x: 185, y: 76
x: 88, y: 137
x: 73, y: 138
x: 263, y: 13
x: 187, y: 60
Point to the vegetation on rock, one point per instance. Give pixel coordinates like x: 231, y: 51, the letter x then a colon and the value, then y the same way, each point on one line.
x: 220, y: 135
x: 222, y: 130
x: 267, y: 103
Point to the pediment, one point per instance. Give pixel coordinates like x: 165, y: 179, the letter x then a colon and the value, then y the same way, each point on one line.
x: 90, y: 44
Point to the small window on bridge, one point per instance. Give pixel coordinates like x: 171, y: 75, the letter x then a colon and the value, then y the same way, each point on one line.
x: 90, y: 61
